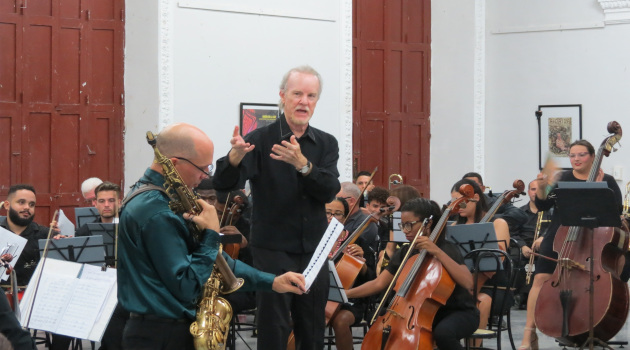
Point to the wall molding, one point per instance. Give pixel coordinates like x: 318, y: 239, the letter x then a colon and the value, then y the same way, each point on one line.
x: 479, y: 99
x: 346, y: 86
x: 165, y: 64
x: 228, y: 6
x: 615, y: 11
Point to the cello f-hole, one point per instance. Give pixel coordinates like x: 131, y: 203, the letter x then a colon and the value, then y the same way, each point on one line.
x: 409, y: 325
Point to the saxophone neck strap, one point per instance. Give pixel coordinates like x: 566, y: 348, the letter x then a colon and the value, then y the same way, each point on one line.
x: 143, y: 187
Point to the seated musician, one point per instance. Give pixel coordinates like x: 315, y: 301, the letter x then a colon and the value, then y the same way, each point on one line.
x: 233, y: 223
x: 459, y: 317
x: 376, y: 203
x: 107, y: 201
x: 20, y: 207
x: 472, y: 213
x: 354, y: 311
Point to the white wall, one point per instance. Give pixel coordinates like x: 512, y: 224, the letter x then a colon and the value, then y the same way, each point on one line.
x: 582, y: 66
x: 527, y: 63
x: 452, y: 90
x: 217, y: 54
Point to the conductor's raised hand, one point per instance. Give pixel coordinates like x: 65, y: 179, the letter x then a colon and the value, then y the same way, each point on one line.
x: 239, y: 148
x: 289, y: 152
x: 289, y: 282
x: 207, y: 219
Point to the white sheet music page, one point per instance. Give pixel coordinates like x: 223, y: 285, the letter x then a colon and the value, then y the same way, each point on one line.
x: 10, y: 243
x: 321, y: 252
x: 65, y: 225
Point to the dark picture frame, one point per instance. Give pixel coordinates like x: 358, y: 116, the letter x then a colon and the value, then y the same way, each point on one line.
x: 558, y: 127
x: 256, y: 115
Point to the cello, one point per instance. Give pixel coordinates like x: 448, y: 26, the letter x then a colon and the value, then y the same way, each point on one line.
x: 559, y: 310
x: 407, y: 322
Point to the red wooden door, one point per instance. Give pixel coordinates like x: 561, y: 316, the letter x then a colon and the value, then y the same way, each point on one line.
x: 392, y: 62
x: 63, y: 60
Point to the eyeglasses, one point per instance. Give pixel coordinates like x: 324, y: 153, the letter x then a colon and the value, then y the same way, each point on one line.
x: 406, y: 226
x: 208, y: 168
x: 336, y: 214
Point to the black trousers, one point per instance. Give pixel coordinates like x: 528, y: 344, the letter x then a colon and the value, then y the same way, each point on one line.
x: 11, y: 328
x: 142, y: 334
x: 449, y: 327
x: 275, y: 311
x: 112, y: 338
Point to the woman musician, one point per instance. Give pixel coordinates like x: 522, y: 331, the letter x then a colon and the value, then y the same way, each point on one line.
x: 581, y: 155
x: 459, y: 317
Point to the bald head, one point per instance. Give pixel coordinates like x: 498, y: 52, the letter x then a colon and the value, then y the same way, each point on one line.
x: 184, y: 140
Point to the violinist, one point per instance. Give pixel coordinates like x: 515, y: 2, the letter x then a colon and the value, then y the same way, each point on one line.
x: 581, y: 155
x: 238, y: 226
x: 377, y: 206
x: 471, y: 214
x: 353, y: 312
x: 350, y: 192
x: 459, y: 317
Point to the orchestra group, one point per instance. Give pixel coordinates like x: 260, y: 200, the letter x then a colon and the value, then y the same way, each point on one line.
x: 419, y: 294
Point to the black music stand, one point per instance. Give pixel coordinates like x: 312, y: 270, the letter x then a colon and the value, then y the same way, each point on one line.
x: 589, y: 205
x: 336, y: 292
x: 473, y: 237
x: 85, y: 215
x: 85, y: 250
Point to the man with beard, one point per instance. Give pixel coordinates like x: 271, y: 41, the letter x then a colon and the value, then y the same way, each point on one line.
x: 20, y: 207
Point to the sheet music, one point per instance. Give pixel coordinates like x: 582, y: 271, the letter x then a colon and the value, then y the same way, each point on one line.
x: 65, y: 225
x: 12, y: 244
x: 72, y: 299
x: 321, y: 252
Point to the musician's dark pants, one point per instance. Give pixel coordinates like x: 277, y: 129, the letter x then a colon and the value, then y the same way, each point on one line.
x: 112, y: 338
x: 450, y: 327
x: 10, y: 327
x: 142, y: 334
x: 275, y: 311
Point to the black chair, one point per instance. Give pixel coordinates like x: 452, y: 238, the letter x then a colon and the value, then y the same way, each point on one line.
x: 236, y: 326
x: 500, y: 306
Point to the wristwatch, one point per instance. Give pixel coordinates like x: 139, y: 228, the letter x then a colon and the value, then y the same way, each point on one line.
x: 306, y: 168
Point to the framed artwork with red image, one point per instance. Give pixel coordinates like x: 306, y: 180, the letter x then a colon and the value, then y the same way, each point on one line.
x: 257, y: 115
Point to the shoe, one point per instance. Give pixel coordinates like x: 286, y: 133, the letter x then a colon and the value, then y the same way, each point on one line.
x: 533, y: 343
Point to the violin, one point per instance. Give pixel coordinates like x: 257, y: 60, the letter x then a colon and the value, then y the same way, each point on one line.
x: 562, y: 307
x: 422, y: 285
x: 232, y: 249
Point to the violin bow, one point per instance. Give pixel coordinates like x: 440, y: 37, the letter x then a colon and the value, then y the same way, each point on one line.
x: 41, y: 271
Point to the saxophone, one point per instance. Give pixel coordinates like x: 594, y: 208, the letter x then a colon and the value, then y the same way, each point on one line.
x: 214, y: 313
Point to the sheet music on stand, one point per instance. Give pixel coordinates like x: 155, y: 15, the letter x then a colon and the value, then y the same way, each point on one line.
x: 10, y: 243
x: 73, y: 299
x: 321, y: 252
x: 335, y: 290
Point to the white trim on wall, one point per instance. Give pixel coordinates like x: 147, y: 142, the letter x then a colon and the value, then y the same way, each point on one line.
x: 228, y: 6
x: 345, y: 145
x: 165, y: 64
x: 479, y: 121
x: 616, y: 11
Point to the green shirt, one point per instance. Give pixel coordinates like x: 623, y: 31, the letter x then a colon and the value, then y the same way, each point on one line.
x: 157, y: 274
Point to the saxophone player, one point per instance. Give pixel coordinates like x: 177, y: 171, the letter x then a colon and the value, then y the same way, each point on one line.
x: 162, y: 264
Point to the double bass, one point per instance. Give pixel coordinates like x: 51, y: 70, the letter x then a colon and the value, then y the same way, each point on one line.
x: 562, y: 306
x: 422, y: 287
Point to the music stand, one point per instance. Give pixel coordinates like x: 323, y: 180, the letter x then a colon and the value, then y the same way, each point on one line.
x: 107, y: 231
x: 336, y: 292
x: 85, y: 250
x: 590, y: 205
x: 473, y: 237
x: 85, y: 215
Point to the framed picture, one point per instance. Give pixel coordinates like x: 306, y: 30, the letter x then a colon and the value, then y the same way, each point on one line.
x: 256, y: 115
x: 558, y: 127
